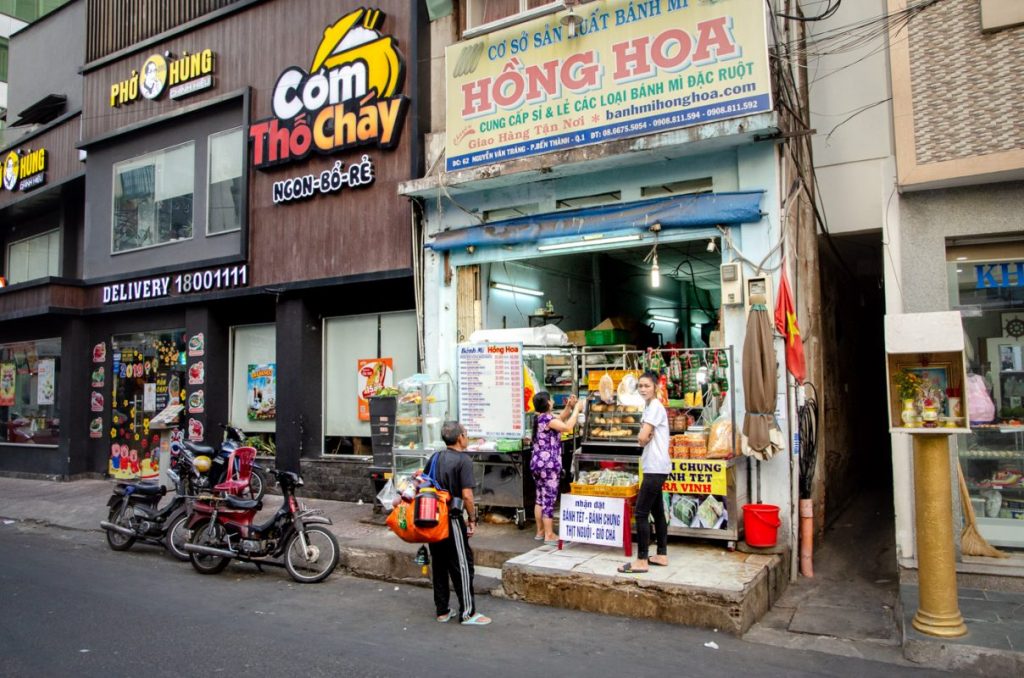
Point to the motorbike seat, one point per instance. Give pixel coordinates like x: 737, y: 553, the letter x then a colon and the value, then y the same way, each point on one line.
x: 239, y: 503
x: 199, y: 449
x: 148, y: 489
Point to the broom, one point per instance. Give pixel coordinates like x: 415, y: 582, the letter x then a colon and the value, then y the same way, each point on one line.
x: 971, y: 541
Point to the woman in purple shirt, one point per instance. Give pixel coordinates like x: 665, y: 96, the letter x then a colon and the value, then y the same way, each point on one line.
x: 546, y: 460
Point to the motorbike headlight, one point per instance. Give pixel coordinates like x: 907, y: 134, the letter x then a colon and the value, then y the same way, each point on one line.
x: 202, y: 463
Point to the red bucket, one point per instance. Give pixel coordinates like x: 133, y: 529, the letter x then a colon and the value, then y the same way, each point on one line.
x: 760, y: 524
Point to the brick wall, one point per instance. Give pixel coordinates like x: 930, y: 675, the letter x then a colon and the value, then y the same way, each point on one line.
x: 338, y: 478
x: 966, y: 84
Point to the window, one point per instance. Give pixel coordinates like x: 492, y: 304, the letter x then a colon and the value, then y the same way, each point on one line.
x: 29, y: 10
x: 34, y: 258
x: 4, y: 42
x: 153, y: 198
x: 481, y: 12
x: 254, y: 378
x: 29, y: 377
x: 224, y: 206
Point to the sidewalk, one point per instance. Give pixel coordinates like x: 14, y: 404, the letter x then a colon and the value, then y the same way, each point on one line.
x: 852, y: 607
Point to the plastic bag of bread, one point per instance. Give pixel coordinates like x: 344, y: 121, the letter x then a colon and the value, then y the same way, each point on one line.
x: 606, y: 389
x: 720, y: 439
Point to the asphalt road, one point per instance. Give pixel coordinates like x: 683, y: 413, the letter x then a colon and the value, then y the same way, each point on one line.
x: 69, y: 606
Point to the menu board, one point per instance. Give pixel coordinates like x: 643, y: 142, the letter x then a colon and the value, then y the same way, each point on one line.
x: 491, y: 390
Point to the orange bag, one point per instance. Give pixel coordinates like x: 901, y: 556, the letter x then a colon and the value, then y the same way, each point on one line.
x: 401, y: 520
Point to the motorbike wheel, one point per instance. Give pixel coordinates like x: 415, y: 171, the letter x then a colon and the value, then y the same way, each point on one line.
x: 212, y: 534
x: 317, y: 566
x: 177, y: 536
x: 116, y: 540
x: 257, y: 485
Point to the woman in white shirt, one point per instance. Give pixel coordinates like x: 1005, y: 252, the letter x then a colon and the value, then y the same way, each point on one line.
x: 656, y: 467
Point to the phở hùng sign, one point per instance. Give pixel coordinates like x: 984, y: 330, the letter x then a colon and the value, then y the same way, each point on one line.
x: 179, y: 75
x: 628, y: 69
x: 24, y: 170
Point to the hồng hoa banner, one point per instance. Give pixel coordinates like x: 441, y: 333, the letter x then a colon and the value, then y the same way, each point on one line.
x: 627, y: 69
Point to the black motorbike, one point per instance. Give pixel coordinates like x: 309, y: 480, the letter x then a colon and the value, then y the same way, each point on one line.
x: 234, y: 437
x: 223, y: 529
x: 135, y: 513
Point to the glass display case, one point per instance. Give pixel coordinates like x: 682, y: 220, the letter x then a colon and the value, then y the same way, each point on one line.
x: 992, y: 458
x: 421, y: 410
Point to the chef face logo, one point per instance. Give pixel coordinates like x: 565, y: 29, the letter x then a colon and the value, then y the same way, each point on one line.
x: 11, y: 171
x: 153, y: 76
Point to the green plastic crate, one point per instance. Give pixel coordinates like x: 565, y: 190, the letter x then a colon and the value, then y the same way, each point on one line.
x: 607, y: 337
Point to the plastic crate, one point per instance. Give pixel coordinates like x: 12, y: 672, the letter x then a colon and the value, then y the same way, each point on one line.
x: 604, y: 490
x: 607, y: 337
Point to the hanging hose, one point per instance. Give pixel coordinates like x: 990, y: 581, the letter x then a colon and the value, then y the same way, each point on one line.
x: 807, y: 418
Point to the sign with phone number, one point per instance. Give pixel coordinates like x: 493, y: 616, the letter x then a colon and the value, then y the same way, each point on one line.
x: 177, y: 285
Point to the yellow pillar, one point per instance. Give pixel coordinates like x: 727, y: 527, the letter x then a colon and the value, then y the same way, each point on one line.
x: 938, y: 613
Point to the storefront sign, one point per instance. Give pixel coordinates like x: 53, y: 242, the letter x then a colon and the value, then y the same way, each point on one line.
x: 184, y: 75
x: 592, y: 520
x: 1005, y: 274
x: 491, y: 389
x: 372, y: 374
x: 348, y: 98
x: 262, y: 389
x: 629, y: 69
x: 177, y: 285
x: 46, y: 384
x: 358, y: 175
x: 696, y: 492
x: 25, y: 170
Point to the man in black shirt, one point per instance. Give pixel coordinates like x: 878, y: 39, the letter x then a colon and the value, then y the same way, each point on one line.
x: 452, y: 557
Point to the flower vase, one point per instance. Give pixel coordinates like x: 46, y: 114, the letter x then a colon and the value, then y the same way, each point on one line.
x: 930, y: 413
x: 909, y: 413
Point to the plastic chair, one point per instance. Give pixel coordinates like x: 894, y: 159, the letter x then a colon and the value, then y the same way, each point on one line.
x: 239, y: 471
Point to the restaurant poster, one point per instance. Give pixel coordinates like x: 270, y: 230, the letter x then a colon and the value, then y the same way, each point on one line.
x: 262, y: 392
x: 490, y: 378
x: 695, y: 494
x: 372, y: 374
x: 46, y: 383
x: 8, y: 373
x: 627, y: 69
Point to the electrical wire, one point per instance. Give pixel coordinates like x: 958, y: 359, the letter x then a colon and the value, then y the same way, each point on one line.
x: 807, y: 421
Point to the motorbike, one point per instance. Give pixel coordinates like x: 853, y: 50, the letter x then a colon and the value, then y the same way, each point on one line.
x: 234, y: 437
x: 222, y: 529
x: 135, y: 513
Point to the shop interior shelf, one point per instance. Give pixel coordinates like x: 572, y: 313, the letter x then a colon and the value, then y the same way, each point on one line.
x: 620, y: 442
x: 991, y: 454
x: 1016, y: 489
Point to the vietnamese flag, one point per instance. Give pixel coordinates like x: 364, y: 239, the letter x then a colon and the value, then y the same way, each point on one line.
x: 785, y: 323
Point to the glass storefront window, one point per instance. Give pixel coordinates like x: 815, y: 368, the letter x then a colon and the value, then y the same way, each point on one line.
x: 986, y: 284
x: 33, y: 258
x: 148, y: 375
x: 224, y: 206
x: 153, y: 198
x: 254, y: 384
x: 29, y: 380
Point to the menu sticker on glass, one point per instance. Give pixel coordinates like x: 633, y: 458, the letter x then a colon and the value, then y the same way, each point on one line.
x: 196, y: 373
x: 99, y: 352
x: 46, y: 383
x: 96, y: 427
x: 372, y: 374
x: 196, y: 402
x: 96, y: 401
x: 491, y: 389
x: 149, y: 397
x: 197, y: 345
x: 262, y: 392
x: 195, y: 430
x: 8, y: 372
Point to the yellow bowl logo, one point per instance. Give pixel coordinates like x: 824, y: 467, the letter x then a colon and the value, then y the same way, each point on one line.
x: 11, y: 171
x: 348, y: 43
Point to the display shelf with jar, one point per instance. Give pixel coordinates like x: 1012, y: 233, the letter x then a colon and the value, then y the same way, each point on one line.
x: 992, y: 458
x: 422, y: 409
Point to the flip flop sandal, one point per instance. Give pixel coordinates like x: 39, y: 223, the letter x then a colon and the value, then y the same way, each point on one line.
x: 656, y: 563
x: 628, y: 569
x: 445, y: 618
x: 538, y: 537
x: 477, y: 620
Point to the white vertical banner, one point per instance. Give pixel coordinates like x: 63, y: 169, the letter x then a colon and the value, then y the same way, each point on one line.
x: 46, y: 383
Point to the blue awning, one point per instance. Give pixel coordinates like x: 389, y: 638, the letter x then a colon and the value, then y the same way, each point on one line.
x: 685, y: 211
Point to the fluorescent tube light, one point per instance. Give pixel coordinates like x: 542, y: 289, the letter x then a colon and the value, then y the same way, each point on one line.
x: 589, y: 242
x: 664, y: 318
x: 516, y: 289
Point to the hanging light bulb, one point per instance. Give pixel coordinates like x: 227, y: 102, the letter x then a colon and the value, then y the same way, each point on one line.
x: 655, y: 272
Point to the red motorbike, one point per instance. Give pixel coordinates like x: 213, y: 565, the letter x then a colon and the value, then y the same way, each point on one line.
x: 223, y: 528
